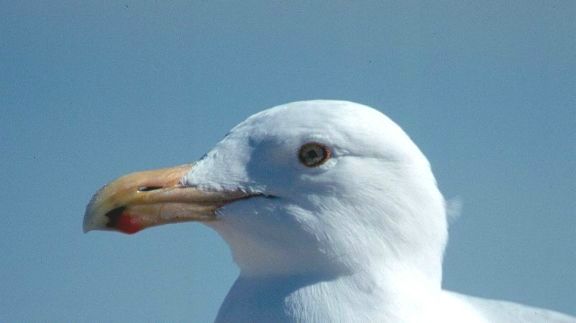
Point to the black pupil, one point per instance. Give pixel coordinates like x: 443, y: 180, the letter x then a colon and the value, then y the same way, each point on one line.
x: 312, y: 155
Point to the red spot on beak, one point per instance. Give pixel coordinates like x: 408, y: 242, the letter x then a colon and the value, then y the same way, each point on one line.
x: 128, y: 224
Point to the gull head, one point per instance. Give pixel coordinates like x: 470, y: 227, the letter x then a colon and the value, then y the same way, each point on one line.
x: 306, y: 187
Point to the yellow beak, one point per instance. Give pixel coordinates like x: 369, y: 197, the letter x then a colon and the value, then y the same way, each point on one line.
x: 140, y: 200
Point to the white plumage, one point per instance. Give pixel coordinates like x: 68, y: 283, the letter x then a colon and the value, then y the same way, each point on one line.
x: 358, y: 238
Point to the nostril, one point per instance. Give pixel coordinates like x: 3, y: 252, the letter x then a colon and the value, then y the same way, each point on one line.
x: 148, y: 188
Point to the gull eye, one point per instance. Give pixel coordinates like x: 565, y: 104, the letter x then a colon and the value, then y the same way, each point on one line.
x: 313, y: 154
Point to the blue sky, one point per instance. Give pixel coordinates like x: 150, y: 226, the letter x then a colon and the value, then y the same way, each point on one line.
x: 91, y: 91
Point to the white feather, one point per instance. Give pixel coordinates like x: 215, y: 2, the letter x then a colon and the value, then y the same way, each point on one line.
x: 358, y: 239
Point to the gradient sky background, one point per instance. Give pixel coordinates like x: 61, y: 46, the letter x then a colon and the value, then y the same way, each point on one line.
x: 93, y: 90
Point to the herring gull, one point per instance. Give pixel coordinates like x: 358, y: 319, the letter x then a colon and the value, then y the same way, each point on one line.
x: 332, y: 214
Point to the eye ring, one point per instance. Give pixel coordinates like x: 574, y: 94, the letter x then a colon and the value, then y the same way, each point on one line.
x: 313, y: 154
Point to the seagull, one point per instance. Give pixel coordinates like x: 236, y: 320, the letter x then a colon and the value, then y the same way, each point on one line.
x: 331, y: 212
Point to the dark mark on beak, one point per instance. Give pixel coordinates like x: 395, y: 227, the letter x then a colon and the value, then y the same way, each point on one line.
x: 113, y: 216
